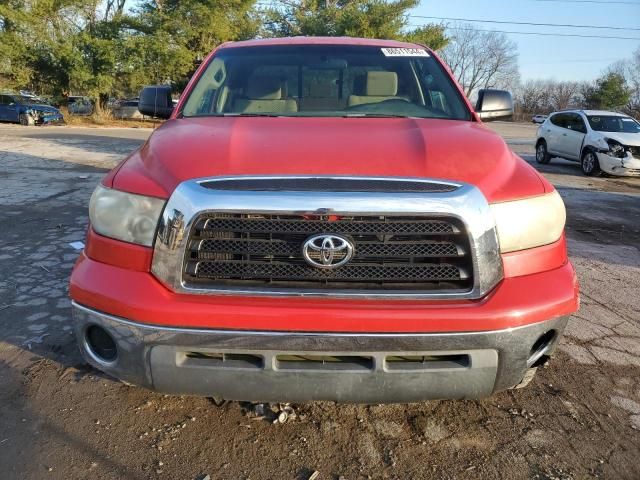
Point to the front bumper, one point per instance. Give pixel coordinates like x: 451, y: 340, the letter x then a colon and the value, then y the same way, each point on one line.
x: 622, y: 167
x: 301, y: 366
x: 52, y: 119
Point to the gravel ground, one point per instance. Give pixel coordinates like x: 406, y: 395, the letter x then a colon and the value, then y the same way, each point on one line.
x: 580, y: 417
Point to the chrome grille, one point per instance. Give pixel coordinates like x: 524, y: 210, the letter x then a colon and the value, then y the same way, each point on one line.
x: 391, y: 253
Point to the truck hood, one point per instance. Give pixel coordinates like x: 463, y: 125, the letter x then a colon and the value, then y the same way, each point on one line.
x: 187, y: 148
x: 629, y: 139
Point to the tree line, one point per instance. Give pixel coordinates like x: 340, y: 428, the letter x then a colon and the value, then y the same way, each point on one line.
x: 617, y: 89
x: 112, y: 48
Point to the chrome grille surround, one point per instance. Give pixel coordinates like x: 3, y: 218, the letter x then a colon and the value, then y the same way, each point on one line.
x: 191, y: 199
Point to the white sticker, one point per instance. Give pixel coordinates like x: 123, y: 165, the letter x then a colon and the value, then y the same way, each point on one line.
x: 404, y: 52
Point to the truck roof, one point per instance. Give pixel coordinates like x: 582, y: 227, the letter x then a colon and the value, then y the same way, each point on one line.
x: 321, y: 41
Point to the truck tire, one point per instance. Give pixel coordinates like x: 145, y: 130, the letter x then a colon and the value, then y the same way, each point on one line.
x: 26, y: 120
x: 590, y: 164
x: 542, y: 155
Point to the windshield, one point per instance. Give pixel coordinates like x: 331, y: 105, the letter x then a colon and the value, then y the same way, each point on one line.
x: 610, y: 123
x: 325, y: 81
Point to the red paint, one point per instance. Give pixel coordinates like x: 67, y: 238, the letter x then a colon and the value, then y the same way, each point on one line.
x: 534, y: 260
x: 113, y: 276
x: 182, y: 149
x: 140, y: 297
x: 117, y: 253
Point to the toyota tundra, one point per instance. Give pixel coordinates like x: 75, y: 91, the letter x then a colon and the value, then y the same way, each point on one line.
x: 323, y: 219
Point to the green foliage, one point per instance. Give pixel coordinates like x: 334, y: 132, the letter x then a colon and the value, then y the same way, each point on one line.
x: 352, y: 18
x: 103, y: 48
x: 609, y: 92
x: 14, y: 54
x: 432, y: 36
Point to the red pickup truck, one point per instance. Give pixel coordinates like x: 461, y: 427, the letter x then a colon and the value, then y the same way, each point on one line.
x: 323, y: 219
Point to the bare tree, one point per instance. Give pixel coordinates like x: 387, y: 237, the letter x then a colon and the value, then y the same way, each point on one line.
x: 532, y: 96
x: 545, y: 96
x: 481, y: 59
x: 562, y: 94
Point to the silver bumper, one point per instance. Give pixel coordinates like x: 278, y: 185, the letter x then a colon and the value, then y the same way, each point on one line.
x: 298, y: 367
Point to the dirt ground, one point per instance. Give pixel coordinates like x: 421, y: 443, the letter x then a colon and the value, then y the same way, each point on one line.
x: 59, y: 419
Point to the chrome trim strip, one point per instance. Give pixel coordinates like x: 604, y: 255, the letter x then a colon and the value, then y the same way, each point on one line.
x: 340, y: 177
x: 158, y: 329
x: 190, y: 200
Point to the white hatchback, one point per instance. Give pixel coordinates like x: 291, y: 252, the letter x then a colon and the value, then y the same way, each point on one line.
x: 601, y: 141
x: 538, y: 118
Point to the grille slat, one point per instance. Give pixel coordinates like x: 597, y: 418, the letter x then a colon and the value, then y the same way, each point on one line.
x: 391, y: 253
x: 374, y: 227
x: 350, y: 272
x: 207, y: 249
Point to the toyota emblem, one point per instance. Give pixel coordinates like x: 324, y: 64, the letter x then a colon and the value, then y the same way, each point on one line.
x: 327, y: 251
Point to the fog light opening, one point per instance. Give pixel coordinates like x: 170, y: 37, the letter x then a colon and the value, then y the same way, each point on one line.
x: 101, y: 344
x: 540, y: 349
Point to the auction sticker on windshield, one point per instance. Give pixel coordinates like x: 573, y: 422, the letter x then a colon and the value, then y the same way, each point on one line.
x: 404, y: 52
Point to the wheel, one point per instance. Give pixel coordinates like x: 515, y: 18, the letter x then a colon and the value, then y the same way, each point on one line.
x: 26, y: 120
x: 542, y: 155
x: 590, y: 164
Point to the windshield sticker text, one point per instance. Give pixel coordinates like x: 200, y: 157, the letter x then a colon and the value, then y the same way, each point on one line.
x: 404, y: 52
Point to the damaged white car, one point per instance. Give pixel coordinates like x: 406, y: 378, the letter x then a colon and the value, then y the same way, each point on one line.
x: 601, y: 141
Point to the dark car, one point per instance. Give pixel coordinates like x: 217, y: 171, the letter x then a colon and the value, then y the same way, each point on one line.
x: 127, y: 109
x: 27, y: 110
x: 79, y: 105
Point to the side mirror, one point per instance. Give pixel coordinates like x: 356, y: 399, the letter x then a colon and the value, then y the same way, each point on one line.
x: 494, y: 105
x: 155, y: 101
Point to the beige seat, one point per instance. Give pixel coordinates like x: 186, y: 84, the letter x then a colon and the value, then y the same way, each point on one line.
x: 321, y: 97
x: 380, y: 86
x: 264, y: 95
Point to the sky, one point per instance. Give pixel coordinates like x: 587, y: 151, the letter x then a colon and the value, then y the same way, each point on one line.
x: 561, y: 58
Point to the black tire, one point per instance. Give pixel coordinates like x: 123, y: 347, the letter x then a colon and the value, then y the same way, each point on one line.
x: 590, y: 163
x: 542, y: 155
x: 26, y: 120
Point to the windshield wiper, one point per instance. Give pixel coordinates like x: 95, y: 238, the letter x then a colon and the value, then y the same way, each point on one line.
x: 252, y: 115
x: 376, y: 115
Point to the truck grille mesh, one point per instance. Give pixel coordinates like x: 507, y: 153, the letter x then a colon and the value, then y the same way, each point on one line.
x: 391, y: 253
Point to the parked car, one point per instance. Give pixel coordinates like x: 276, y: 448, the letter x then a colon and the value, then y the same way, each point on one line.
x: 601, y: 141
x: 538, y: 118
x: 127, y: 109
x: 27, y: 110
x: 323, y: 219
x: 79, y: 105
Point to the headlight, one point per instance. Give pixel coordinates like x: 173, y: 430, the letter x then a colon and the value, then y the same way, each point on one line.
x: 125, y: 216
x: 529, y: 223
